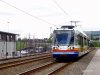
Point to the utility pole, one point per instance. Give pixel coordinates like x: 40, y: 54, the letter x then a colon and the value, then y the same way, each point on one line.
x: 29, y: 44
x: 50, y: 30
x: 20, y: 46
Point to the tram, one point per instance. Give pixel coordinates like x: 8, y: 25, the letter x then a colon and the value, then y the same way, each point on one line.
x: 69, y: 42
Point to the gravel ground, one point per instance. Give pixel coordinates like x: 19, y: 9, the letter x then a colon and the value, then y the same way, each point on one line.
x: 79, y: 66
x: 21, y: 58
x: 48, y: 69
x: 21, y: 68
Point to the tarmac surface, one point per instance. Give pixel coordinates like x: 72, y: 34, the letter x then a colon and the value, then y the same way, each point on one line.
x: 94, y: 66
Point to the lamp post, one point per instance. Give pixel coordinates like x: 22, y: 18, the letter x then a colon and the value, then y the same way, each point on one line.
x: 6, y: 47
x: 7, y: 41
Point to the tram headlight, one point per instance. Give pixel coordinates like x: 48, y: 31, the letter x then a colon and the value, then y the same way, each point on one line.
x: 55, y: 48
x: 71, y: 48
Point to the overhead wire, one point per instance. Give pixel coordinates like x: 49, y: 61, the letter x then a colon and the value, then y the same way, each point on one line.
x: 61, y: 8
x: 26, y: 12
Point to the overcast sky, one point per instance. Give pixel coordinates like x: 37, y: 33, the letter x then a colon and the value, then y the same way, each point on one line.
x: 38, y: 16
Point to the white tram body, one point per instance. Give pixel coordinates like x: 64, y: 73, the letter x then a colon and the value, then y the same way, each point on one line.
x: 69, y: 41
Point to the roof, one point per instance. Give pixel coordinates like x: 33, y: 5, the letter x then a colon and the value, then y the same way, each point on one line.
x: 8, y: 33
x: 69, y: 27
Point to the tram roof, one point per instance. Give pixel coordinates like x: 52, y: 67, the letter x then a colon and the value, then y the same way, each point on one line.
x: 72, y: 28
x: 81, y: 32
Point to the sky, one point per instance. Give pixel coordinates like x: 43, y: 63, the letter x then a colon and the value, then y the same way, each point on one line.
x: 38, y: 18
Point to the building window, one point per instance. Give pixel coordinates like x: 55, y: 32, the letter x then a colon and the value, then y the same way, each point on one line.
x: 0, y: 36
x: 13, y: 37
x: 3, y: 37
x: 8, y: 38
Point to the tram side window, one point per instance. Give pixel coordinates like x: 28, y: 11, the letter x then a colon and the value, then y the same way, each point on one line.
x: 85, y: 41
x: 79, y: 39
x: 88, y: 42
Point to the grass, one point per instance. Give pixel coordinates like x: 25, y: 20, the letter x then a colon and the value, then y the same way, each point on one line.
x: 20, y: 45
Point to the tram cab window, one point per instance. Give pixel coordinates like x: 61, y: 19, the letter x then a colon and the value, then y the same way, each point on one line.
x: 72, y: 39
x: 62, y: 38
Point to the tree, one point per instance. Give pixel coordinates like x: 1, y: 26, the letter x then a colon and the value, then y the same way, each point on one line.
x: 50, y: 39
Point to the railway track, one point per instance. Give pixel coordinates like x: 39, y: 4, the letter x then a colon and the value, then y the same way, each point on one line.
x: 59, y: 69
x: 21, y: 57
x: 36, y: 69
x: 49, y: 68
x: 42, y: 68
x: 23, y: 61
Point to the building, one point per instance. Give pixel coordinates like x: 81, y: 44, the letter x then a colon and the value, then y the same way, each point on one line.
x: 94, y: 35
x: 7, y: 44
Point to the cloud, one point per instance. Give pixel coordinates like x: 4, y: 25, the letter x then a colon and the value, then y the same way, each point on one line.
x: 52, y: 14
x: 6, y: 13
